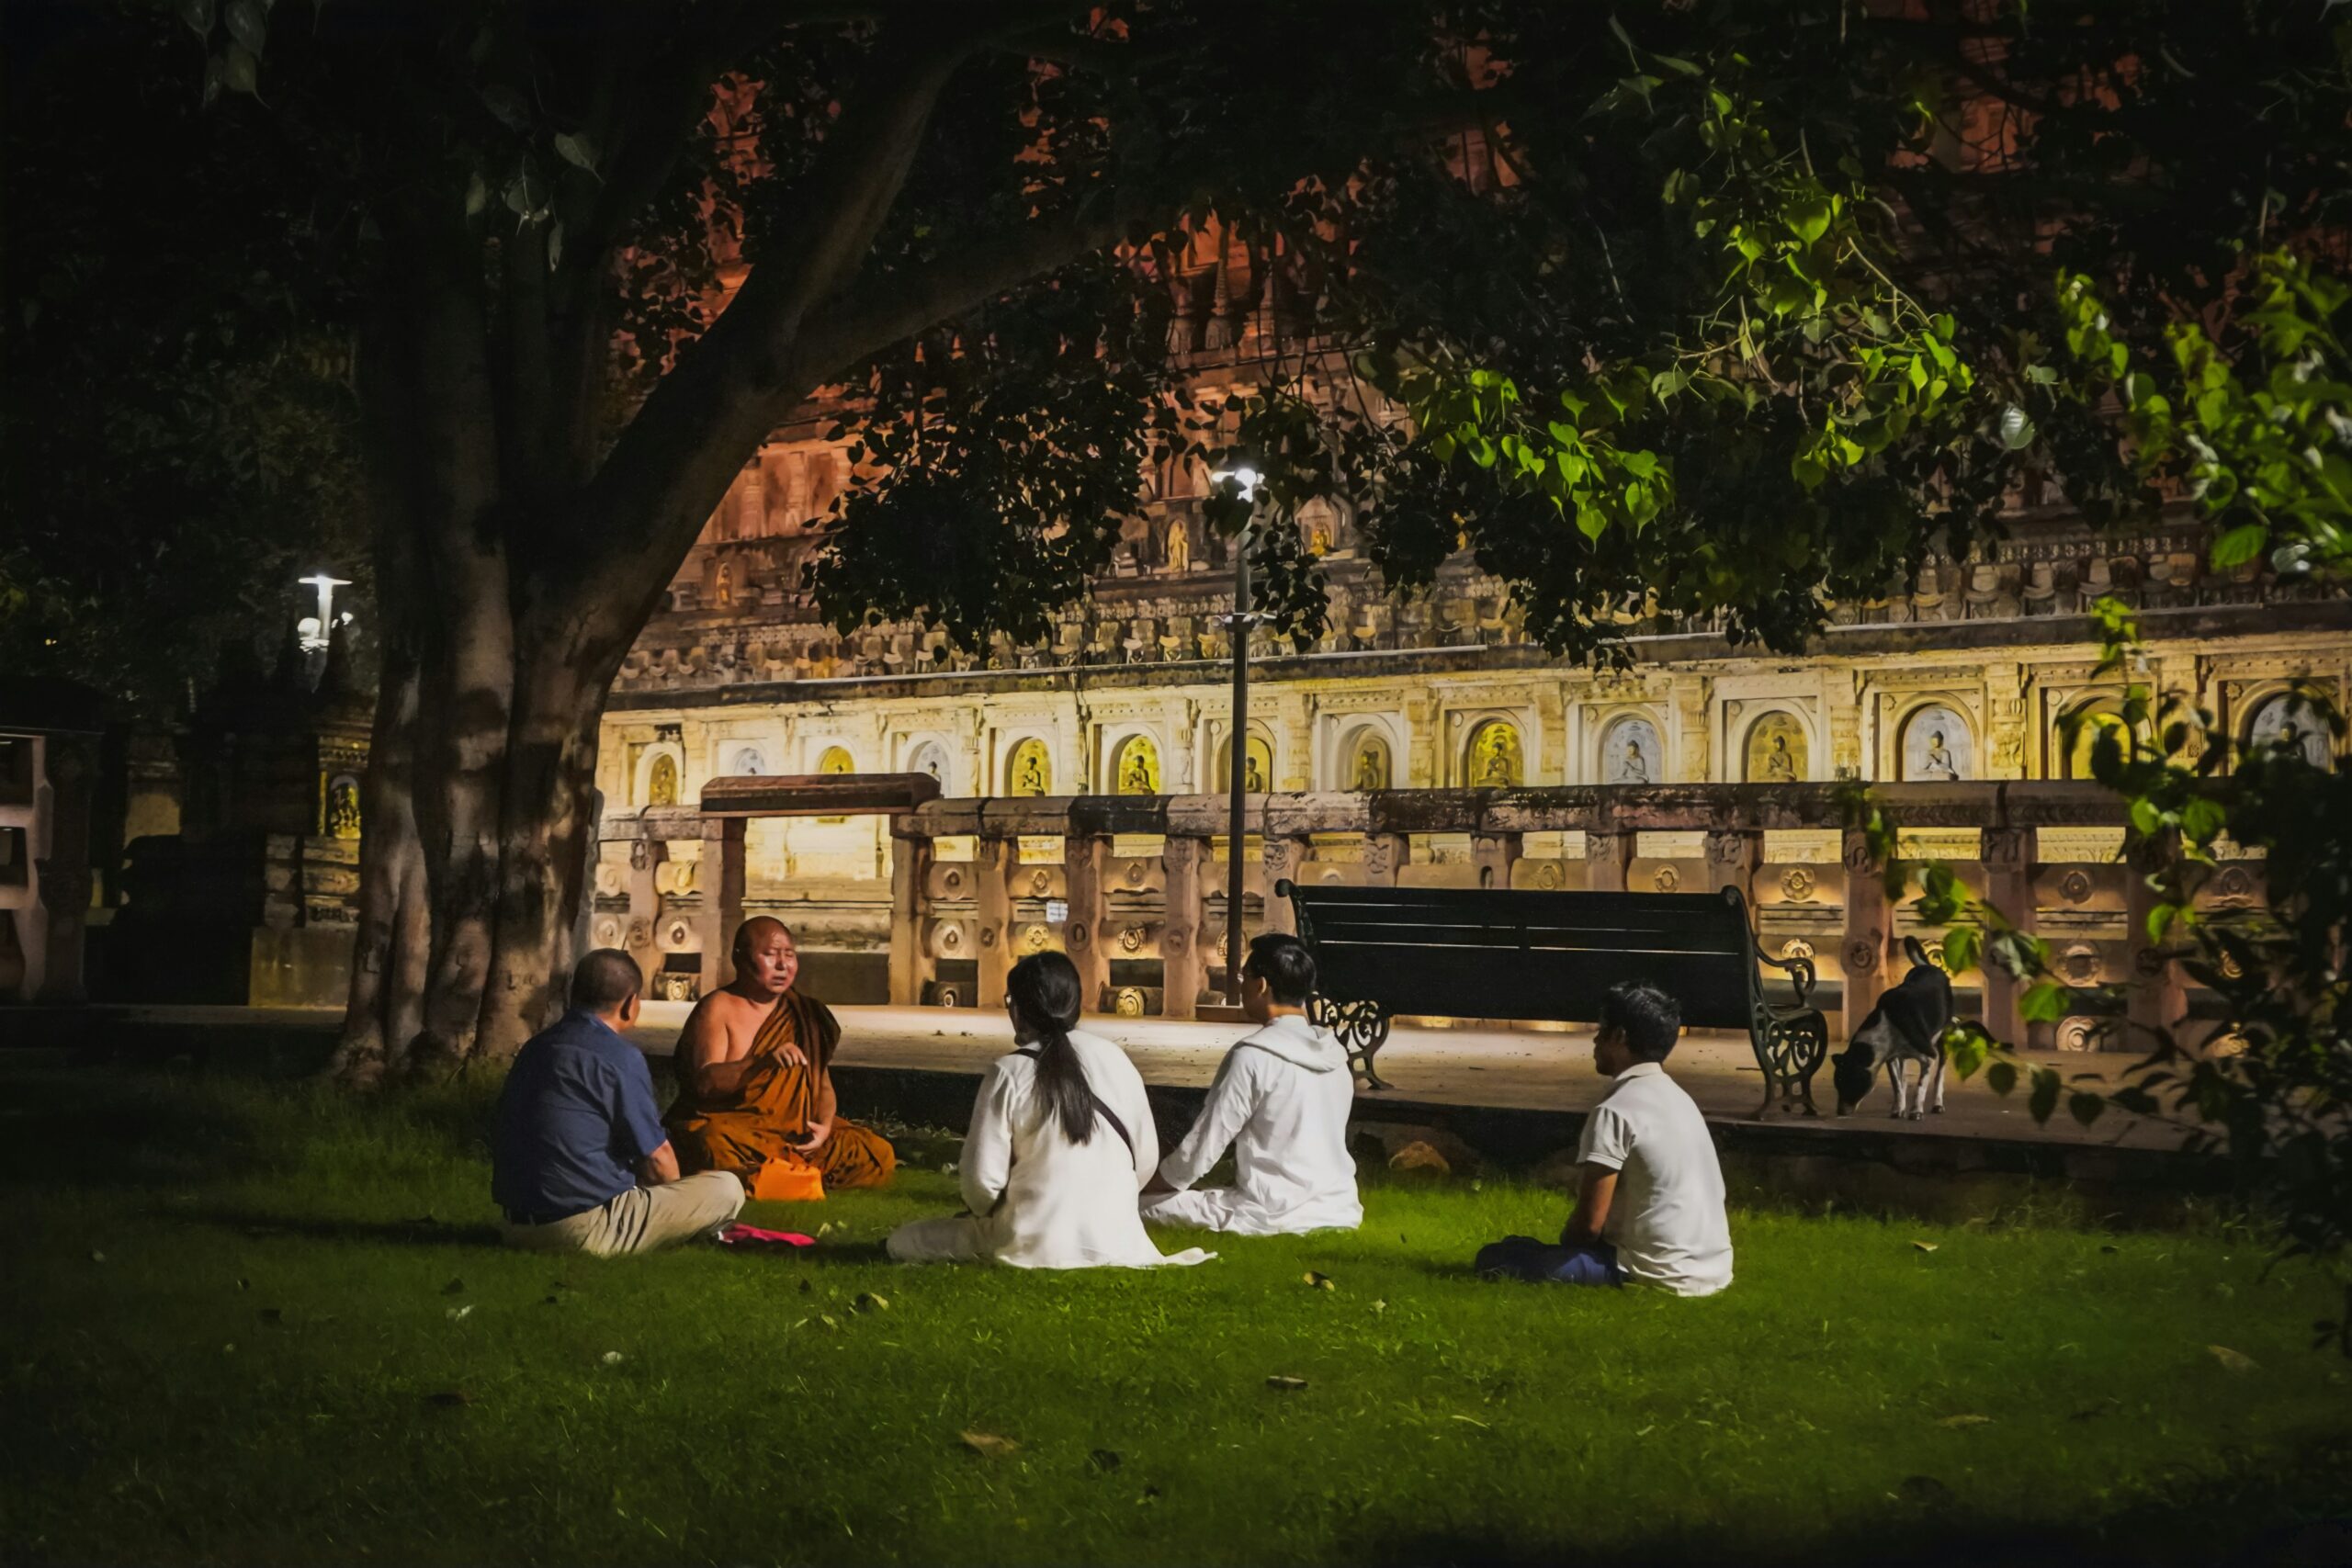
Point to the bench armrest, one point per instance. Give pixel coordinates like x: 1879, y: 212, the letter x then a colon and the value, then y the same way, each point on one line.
x: 1800, y: 971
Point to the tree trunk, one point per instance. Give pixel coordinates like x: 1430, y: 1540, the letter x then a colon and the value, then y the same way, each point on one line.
x: 523, y: 552
x: 547, y: 845
x: 388, y: 958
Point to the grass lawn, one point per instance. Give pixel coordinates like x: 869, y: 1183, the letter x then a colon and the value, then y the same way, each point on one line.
x: 231, y: 1335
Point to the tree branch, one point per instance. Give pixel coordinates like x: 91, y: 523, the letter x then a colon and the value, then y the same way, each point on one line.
x: 692, y: 432
x: 888, y: 310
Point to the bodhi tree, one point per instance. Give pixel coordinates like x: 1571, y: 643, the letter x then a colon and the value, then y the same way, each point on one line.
x: 1700, y: 309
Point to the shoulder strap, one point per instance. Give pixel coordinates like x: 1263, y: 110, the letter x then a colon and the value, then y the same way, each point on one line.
x: 1100, y: 1108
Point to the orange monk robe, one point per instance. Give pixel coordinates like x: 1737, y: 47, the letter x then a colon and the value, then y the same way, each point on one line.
x: 748, y: 1127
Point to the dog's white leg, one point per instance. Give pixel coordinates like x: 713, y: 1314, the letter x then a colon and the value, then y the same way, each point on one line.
x: 1938, y: 1107
x: 1895, y: 1077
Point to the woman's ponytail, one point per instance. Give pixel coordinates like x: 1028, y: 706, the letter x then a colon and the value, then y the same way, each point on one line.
x: 1045, y: 991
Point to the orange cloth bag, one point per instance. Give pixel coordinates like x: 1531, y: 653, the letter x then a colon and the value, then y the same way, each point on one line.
x: 789, y: 1180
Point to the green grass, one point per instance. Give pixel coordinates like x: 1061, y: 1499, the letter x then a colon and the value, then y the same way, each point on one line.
x: 230, y: 1338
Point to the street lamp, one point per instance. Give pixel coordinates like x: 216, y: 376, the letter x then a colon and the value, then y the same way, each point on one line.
x: 316, y: 631
x: 1236, y: 745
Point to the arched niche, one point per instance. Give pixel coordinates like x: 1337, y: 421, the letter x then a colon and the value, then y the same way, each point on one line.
x: 2077, y: 742
x: 1630, y: 751
x: 929, y: 757
x: 660, y: 779
x: 1257, y: 777
x: 1777, y: 749
x: 746, y: 760
x: 1135, y: 766
x: 834, y: 760
x: 2291, y: 719
x: 1493, y: 757
x: 1937, y: 746
x: 1367, y: 763
x: 1028, y: 769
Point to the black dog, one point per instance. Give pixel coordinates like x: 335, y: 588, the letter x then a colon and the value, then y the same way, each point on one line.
x: 1907, y: 1026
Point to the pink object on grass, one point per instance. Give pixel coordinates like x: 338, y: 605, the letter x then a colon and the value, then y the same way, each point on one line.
x: 753, y: 1236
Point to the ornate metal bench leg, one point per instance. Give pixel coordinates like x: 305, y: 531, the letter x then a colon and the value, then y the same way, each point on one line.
x: 1760, y: 1039
x: 1817, y: 1051
x: 1364, y: 1029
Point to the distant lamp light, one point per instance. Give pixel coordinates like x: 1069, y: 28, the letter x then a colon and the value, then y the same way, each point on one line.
x: 1246, y: 478
x: 313, y: 630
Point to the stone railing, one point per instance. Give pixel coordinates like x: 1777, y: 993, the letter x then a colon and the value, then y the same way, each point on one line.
x: 1132, y: 889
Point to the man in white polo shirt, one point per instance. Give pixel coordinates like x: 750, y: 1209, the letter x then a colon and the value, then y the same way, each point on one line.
x: 1650, y: 1209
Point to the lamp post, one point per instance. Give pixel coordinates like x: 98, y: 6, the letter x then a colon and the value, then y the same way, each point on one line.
x: 1236, y: 745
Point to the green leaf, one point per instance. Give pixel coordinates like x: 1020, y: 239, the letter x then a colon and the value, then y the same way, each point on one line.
x: 2240, y: 544
x: 2085, y: 1107
x: 2043, y: 1101
x: 1964, y: 1049
x: 1960, y: 945
x: 2001, y: 1077
x: 2202, y: 819
x: 1807, y: 470
x: 2045, y: 1002
x: 1808, y: 217
x: 2017, y: 430
x: 248, y: 24
x: 241, y: 71
x: 577, y: 150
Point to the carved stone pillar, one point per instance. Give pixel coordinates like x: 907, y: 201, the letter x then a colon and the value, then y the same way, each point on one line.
x: 1692, y: 754
x: 1282, y: 858
x: 2009, y: 854
x: 1382, y: 853
x: 1868, y: 918
x: 1419, y: 767
x: 2157, y: 998
x: 1084, y: 859
x: 722, y: 864
x: 2004, y: 721
x: 641, y: 930
x: 1608, y: 856
x: 1733, y: 855
x: 1843, y: 704
x: 1495, y: 854
x: 1183, y: 967
x: 992, y: 874
x: 912, y: 968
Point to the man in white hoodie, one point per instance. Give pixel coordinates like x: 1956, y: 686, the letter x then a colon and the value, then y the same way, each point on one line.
x: 1280, y: 1100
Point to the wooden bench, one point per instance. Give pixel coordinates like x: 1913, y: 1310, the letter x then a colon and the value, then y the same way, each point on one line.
x: 1466, y: 953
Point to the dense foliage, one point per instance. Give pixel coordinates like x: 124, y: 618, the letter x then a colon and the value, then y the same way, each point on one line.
x: 180, y: 429
x: 1707, y: 313
x: 2262, y: 439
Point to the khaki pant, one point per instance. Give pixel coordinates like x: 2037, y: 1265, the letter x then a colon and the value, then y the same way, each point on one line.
x: 641, y: 1219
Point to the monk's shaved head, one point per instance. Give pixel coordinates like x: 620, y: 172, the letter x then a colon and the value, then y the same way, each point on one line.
x: 766, y: 958
x: 757, y: 930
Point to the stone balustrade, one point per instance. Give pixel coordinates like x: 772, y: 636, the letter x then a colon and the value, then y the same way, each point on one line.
x: 1132, y: 888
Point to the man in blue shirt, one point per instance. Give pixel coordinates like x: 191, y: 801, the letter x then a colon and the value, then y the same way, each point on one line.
x: 580, y: 1162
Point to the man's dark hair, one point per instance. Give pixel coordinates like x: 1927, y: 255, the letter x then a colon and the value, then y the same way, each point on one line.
x: 1652, y: 1019
x: 1284, y: 963
x: 604, y: 979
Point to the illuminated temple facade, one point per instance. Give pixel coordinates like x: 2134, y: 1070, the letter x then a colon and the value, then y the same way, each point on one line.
x: 1963, y: 675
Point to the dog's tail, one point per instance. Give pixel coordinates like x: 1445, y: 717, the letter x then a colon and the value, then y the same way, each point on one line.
x: 1912, y: 945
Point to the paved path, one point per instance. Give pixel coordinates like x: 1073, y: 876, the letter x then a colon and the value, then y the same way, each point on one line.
x: 1521, y: 1069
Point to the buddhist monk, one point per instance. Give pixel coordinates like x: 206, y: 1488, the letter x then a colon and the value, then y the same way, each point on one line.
x: 755, y: 1085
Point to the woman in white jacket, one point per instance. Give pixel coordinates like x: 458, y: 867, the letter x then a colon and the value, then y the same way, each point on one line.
x: 1060, y: 1144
